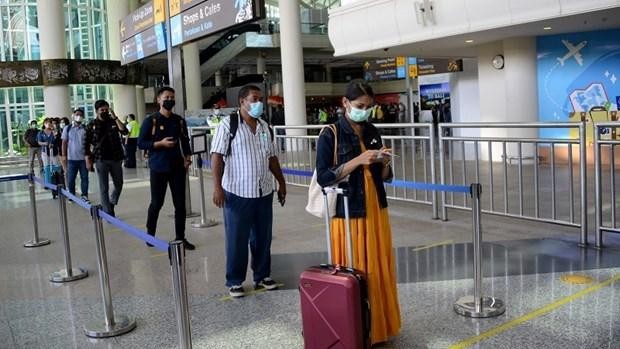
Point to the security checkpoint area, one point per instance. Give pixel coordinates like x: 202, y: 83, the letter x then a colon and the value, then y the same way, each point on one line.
x: 471, y: 273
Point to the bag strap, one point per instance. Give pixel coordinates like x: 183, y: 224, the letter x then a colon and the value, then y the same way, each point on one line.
x: 154, y: 125
x: 234, y: 125
x: 335, y: 132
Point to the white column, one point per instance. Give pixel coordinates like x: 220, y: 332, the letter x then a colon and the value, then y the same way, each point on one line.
x: 509, y: 94
x: 52, y: 41
x: 261, y: 64
x: 218, y: 78
x: 292, y: 63
x: 140, y: 104
x: 124, y: 96
x: 193, y: 80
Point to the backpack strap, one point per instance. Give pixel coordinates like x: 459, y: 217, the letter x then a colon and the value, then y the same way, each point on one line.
x: 154, y: 125
x: 234, y: 125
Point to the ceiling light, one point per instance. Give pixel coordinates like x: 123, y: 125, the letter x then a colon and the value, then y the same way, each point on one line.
x: 547, y: 28
x: 469, y: 41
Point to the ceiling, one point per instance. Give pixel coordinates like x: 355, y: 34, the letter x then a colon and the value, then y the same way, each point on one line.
x: 455, y: 46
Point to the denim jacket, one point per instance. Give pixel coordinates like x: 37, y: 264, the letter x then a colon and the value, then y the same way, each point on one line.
x: 348, y: 148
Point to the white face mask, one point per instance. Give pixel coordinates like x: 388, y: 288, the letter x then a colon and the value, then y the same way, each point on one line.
x: 216, y: 112
x: 77, y: 118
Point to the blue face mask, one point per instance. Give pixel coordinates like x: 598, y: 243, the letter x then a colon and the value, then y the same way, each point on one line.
x: 359, y: 115
x: 256, y: 109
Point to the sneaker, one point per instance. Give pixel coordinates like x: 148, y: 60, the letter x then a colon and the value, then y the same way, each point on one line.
x: 188, y: 245
x: 236, y: 291
x: 266, y: 283
x: 85, y: 198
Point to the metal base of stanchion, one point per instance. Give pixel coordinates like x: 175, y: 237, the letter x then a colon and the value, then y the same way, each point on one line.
x: 491, y: 306
x: 206, y: 224
x: 98, y: 329
x: 40, y: 242
x: 61, y: 275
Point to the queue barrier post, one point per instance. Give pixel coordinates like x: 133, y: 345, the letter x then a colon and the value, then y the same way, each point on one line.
x: 204, y: 222
x: 69, y: 273
x: 478, y: 306
x: 36, y: 241
x: 113, y: 325
x: 179, y: 290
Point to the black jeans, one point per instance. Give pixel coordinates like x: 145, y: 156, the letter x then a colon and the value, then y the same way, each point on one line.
x: 159, y: 182
x: 130, y: 152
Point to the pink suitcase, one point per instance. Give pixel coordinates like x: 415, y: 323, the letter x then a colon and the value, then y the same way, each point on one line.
x: 334, y: 301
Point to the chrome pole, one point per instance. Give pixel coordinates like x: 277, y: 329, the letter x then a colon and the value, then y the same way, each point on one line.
x: 347, y: 229
x: 442, y: 176
x: 478, y: 306
x: 69, y: 273
x: 327, y: 228
x: 598, y: 190
x: 583, y: 174
x: 179, y: 290
x: 188, y: 200
x: 433, y: 175
x: 36, y: 242
x: 112, y: 325
x: 204, y: 221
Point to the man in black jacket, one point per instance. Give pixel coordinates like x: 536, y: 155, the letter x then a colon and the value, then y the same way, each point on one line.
x: 103, y: 139
x: 34, y: 150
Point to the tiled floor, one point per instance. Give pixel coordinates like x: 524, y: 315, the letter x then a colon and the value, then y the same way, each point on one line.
x: 524, y: 262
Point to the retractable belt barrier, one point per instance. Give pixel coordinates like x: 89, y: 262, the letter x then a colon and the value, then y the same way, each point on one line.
x: 119, y: 324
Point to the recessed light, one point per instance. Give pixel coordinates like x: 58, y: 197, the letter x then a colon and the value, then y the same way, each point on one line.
x: 547, y: 28
x: 469, y: 41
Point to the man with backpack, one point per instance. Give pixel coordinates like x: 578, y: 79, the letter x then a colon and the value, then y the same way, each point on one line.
x: 73, y: 146
x: 244, y: 187
x: 164, y: 135
x: 34, y: 149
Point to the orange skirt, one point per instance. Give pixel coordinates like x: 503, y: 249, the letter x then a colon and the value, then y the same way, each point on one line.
x: 372, y: 253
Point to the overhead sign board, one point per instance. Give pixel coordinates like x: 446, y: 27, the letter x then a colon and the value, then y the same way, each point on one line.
x: 178, y: 6
x: 144, y: 44
x: 142, y: 19
x: 390, y: 68
x: 209, y: 17
x: 428, y: 66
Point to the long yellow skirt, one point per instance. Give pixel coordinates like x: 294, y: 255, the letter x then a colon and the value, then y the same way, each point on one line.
x: 372, y: 254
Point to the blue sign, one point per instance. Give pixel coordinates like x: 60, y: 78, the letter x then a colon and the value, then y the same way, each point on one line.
x: 575, y: 73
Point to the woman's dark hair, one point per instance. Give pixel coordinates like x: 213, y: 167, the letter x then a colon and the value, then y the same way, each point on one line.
x: 358, y: 88
x: 65, y: 120
x: 101, y: 103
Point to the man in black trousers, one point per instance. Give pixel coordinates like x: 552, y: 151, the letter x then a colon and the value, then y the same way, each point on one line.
x: 164, y: 135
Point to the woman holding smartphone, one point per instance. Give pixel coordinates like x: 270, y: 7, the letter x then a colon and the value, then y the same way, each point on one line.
x: 363, y: 161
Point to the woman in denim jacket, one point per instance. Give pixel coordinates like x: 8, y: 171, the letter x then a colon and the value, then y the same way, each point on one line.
x: 364, y: 163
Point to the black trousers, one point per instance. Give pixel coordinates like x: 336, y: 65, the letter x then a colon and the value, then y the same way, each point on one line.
x: 130, y: 152
x: 175, y: 179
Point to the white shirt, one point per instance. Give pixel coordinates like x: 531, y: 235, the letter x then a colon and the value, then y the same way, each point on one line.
x: 246, y: 170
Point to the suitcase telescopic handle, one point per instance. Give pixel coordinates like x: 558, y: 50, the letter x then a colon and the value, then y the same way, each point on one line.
x: 347, y: 226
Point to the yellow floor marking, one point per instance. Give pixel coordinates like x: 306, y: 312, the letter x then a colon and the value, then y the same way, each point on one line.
x: 159, y: 254
x: 534, y: 314
x: 249, y: 293
x: 440, y: 243
x: 577, y: 279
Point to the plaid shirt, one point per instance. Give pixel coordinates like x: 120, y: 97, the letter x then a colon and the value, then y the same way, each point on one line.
x: 104, y: 137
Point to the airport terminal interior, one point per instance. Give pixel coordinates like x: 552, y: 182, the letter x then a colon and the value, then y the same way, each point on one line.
x: 520, y: 97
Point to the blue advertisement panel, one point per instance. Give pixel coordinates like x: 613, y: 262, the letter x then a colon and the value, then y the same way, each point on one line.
x: 578, y: 72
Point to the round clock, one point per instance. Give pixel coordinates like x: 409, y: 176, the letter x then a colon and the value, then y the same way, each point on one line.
x: 498, y: 62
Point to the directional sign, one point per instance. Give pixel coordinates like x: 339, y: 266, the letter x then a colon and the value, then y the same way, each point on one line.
x: 389, y: 68
x: 142, y: 19
x: 178, y: 6
x: 428, y: 66
x: 144, y: 44
x: 211, y: 16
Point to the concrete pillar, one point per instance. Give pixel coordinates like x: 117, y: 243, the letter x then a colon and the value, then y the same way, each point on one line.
x: 52, y: 41
x: 509, y: 94
x: 261, y: 64
x: 292, y: 63
x: 140, y: 104
x: 328, y: 73
x: 133, y: 5
x: 123, y: 96
x: 218, y: 78
x: 193, y: 80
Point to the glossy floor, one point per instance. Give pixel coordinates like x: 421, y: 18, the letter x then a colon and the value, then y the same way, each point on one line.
x: 524, y: 264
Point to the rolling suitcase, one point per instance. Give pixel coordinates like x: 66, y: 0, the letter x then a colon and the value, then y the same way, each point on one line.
x: 335, y: 310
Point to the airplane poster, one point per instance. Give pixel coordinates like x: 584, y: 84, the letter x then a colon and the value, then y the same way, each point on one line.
x: 577, y: 72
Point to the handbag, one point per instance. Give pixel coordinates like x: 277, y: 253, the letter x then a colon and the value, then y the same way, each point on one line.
x: 316, y: 202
